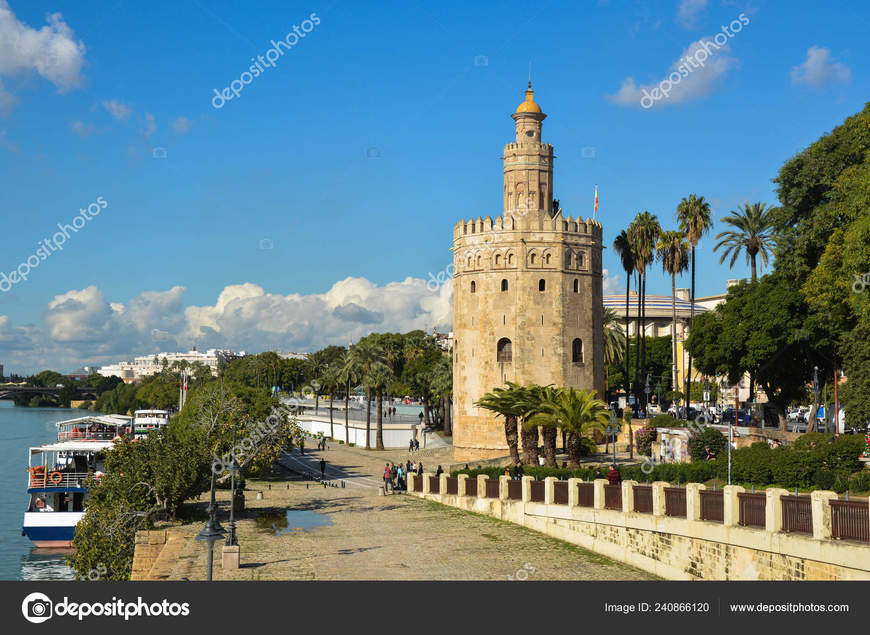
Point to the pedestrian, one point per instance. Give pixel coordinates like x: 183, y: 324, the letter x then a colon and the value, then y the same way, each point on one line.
x: 519, y: 472
x: 466, y: 467
x: 322, y: 468
x: 400, y: 476
x: 420, y: 468
x: 301, y: 446
x: 613, y: 476
x: 421, y: 418
x: 393, y: 474
x: 388, y: 482
x: 416, y: 445
x: 411, y: 445
x: 439, y: 471
x: 408, y: 467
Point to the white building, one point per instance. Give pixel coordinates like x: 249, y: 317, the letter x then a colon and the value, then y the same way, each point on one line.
x: 147, y: 365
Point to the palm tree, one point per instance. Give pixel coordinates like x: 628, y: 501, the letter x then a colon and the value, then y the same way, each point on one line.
x: 529, y: 406
x: 622, y: 246
x: 643, y: 232
x: 534, y: 399
x: 350, y: 372
x: 317, y: 364
x: 332, y: 381
x: 441, y: 378
x: 673, y: 252
x: 753, y: 232
x: 378, y: 379
x: 614, y: 344
x: 503, y: 402
x: 364, y: 355
x: 576, y: 411
x: 694, y: 215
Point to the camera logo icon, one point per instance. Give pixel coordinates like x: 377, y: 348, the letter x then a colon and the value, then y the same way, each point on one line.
x: 37, y: 608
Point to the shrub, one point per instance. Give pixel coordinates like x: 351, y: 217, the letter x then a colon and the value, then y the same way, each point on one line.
x: 823, y: 479
x: 643, y: 440
x: 708, y: 438
x: 860, y: 482
x: 666, y: 421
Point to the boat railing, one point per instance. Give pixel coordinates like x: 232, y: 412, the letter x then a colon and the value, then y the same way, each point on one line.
x: 56, y: 478
x: 86, y: 435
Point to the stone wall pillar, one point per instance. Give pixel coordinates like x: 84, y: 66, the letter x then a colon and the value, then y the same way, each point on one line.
x: 548, y: 489
x: 821, y: 506
x: 527, y: 488
x: 731, y: 513
x: 503, y: 486
x: 599, y: 484
x: 658, y: 496
x: 412, y: 478
x: 773, y: 508
x: 460, y: 489
x: 693, y: 500
x: 442, y: 483
x: 572, y: 491
x: 425, y: 478
x: 628, y: 496
x: 481, y: 485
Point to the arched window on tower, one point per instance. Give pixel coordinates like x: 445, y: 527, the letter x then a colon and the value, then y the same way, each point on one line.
x: 576, y: 285
x: 546, y: 259
x: 478, y: 261
x: 577, y: 351
x: 504, y: 285
x: 498, y: 260
x: 580, y: 259
x: 510, y: 260
x: 473, y: 286
x: 504, y: 353
x: 542, y: 285
x: 568, y: 260
x: 533, y: 258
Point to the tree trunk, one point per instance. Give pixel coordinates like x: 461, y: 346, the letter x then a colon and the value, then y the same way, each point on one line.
x: 331, y: 431
x: 627, y: 361
x: 631, y: 440
x: 637, y: 346
x: 643, y: 331
x: 674, y: 331
x: 346, y: 414
x: 550, y: 435
x: 530, y: 445
x: 448, y: 421
x: 368, y: 416
x: 379, y: 437
x: 754, y: 275
x: 426, y: 415
x: 691, y: 317
x: 574, y: 450
x: 316, y: 401
x: 511, y: 435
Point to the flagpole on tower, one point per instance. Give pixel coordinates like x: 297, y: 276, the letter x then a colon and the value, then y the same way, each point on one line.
x: 595, y: 207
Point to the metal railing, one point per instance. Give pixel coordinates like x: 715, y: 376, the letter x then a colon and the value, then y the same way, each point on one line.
x: 586, y: 494
x: 643, y: 500
x: 850, y: 520
x: 491, y: 490
x: 536, y: 491
x: 57, y: 479
x: 797, y: 514
x: 752, y: 507
x: 560, y: 492
x: 471, y: 487
x: 418, y: 484
x: 675, y: 502
x: 434, y: 485
x: 515, y: 490
x: 712, y: 505
x: 613, y: 496
x: 452, y: 486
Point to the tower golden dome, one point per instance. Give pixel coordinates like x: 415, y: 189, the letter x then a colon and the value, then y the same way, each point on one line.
x: 529, y: 104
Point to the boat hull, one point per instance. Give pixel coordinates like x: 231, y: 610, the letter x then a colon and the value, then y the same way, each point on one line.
x: 51, y: 530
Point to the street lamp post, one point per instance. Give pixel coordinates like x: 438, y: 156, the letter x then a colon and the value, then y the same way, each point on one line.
x: 724, y: 386
x: 816, y: 390
x: 234, y: 470
x: 647, y: 389
x: 212, y: 532
x: 613, y: 431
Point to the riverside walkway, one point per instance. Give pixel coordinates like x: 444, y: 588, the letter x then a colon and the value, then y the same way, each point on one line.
x: 360, y: 535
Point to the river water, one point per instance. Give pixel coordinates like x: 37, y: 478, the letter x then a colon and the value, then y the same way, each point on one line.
x: 20, y: 429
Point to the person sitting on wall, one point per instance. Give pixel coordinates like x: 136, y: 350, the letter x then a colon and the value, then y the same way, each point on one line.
x: 613, y: 476
x: 519, y: 472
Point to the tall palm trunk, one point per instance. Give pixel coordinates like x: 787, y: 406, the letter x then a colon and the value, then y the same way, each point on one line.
x: 643, y: 331
x: 752, y: 260
x: 530, y: 445
x: 368, y: 417
x: 511, y: 435
x: 379, y: 439
x: 573, y: 450
x: 627, y: 362
x: 331, y: 431
x: 346, y: 414
x: 637, y: 345
x: 674, y: 329
x: 550, y: 434
x: 691, y: 318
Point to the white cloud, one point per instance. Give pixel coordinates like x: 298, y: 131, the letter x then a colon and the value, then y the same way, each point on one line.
x: 149, y: 126
x: 180, y: 125
x: 611, y: 283
x: 690, y: 11
x: 51, y: 52
x: 703, y: 64
x: 82, y: 129
x: 117, y: 109
x: 819, y: 69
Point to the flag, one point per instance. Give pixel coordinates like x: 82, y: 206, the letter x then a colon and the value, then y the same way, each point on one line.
x: 595, y: 209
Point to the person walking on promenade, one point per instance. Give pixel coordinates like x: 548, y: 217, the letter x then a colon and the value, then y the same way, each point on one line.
x: 387, y: 479
x: 613, y: 476
x: 322, y: 468
x: 302, y: 446
x: 416, y: 445
x: 411, y: 445
x: 421, y: 418
x: 393, y: 474
x: 408, y: 467
x: 420, y: 468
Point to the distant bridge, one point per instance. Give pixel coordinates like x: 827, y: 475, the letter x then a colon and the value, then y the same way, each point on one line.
x: 7, y: 392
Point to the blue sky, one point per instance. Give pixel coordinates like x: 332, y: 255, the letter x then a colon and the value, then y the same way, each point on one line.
x: 355, y: 154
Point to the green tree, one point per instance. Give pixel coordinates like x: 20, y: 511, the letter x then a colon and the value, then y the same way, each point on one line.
x: 623, y: 248
x: 576, y: 411
x: 643, y: 233
x: 672, y: 251
x: 752, y: 234
x: 504, y: 403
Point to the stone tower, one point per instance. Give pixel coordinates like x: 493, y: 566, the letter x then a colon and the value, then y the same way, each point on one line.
x: 527, y: 293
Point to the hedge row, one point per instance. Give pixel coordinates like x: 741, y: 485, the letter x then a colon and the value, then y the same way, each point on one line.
x: 815, y: 461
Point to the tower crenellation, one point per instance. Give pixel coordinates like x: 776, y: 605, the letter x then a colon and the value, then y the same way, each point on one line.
x: 527, y: 294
